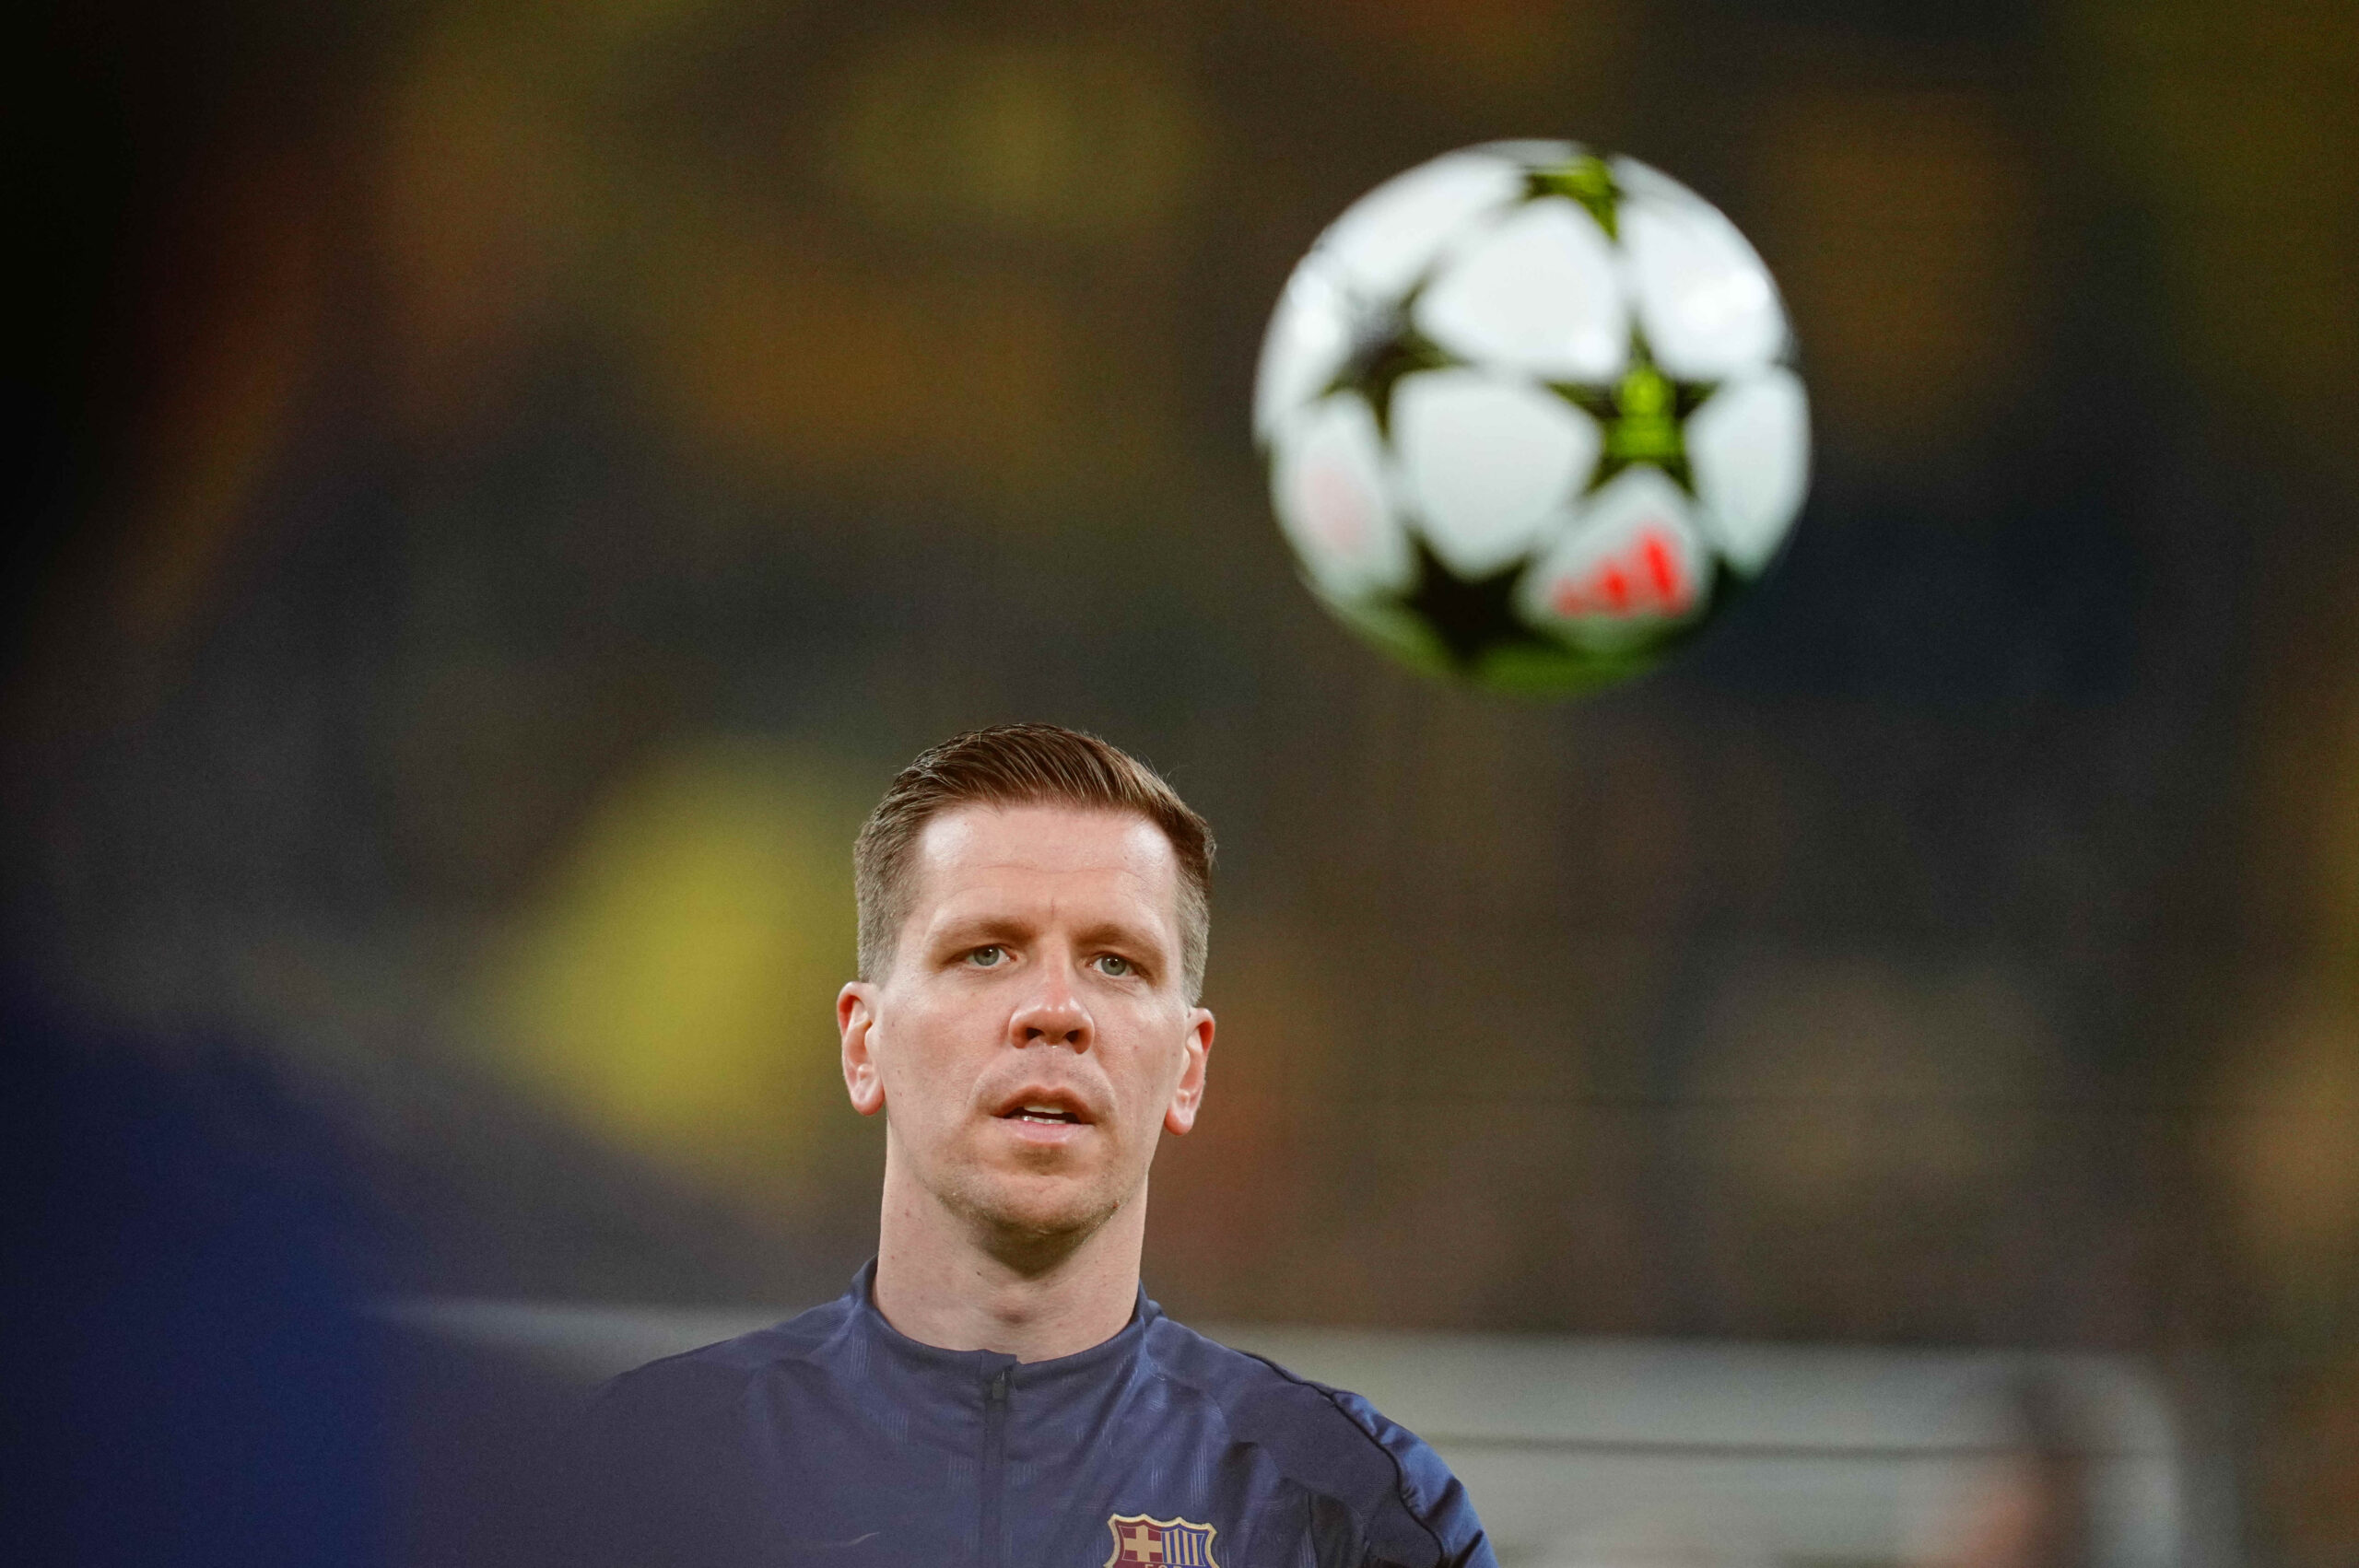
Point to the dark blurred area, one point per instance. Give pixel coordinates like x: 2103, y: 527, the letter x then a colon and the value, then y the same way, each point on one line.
x: 495, y: 489
x: 192, y: 1372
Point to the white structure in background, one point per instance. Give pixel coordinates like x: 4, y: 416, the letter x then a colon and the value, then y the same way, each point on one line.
x: 1633, y: 1453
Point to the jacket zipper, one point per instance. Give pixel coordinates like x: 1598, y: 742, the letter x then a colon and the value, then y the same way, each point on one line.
x: 994, y: 1549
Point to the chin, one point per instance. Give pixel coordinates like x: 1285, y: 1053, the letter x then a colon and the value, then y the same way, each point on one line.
x: 1039, y: 1209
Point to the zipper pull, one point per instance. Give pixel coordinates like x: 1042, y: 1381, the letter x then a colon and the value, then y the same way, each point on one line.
x: 997, y: 1390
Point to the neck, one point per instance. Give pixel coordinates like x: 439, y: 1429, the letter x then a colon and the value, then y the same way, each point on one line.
x: 943, y: 1281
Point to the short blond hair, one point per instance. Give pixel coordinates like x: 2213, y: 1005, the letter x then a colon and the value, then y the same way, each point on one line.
x: 1008, y: 764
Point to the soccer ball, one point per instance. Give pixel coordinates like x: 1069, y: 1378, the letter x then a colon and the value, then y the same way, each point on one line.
x: 1530, y: 415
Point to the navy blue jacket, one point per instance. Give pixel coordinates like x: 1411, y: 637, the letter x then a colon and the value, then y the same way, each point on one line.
x: 833, y: 1439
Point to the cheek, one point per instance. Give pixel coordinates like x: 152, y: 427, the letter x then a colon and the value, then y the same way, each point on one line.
x: 1151, y: 1070
x: 926, y: 1062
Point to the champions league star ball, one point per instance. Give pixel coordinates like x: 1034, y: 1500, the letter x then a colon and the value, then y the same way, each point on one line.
x: 1530, y: 415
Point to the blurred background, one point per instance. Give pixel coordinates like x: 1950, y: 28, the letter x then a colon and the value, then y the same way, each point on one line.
x: 496, y: 490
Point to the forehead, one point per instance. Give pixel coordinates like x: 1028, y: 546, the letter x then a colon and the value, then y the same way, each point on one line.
x: 979, y: 855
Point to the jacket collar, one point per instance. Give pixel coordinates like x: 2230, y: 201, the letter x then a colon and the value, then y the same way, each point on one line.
x: 1110, y: 1358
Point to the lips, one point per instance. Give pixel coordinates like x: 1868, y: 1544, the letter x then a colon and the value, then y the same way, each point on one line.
x: 1037, y: 1105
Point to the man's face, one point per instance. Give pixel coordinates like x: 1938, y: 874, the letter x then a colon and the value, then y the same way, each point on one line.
x: 1033, y: 1035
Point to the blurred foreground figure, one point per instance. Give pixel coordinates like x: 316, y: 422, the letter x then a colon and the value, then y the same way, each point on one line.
x: 190, y: 1378
x: 996, y: 1387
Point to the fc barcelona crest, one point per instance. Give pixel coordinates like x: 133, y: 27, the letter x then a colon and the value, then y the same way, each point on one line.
x: 1165, y: 1543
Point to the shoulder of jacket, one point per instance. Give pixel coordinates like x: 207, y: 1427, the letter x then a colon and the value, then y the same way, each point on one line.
x: 1327, y: 1440
x: 722, y: 1371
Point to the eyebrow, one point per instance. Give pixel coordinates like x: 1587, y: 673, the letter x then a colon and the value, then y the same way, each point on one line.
x: 971, y: 929
x: 980, y: 929
x: 1121, y: 933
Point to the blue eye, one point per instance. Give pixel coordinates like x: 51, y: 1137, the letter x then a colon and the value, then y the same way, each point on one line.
x: 1112, y: 963
x: 986, y: 957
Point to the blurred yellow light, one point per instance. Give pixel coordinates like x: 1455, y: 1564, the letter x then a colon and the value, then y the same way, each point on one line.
x: 673, y: 989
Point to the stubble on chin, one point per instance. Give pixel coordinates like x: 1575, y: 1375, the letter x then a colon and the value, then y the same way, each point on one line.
x: 1032, y: 1222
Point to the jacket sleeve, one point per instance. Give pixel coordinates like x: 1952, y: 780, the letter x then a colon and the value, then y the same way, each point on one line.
x: 1433, y: 1524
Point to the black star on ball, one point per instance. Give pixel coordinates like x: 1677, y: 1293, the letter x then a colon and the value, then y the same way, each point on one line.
x: 1386, y: 348
x: 1470, y: 615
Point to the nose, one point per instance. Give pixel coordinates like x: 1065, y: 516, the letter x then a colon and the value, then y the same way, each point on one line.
x: 1052, y: 1015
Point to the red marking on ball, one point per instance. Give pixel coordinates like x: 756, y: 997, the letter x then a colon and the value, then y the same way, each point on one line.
x: 1649, y: 576
x: 1337, y: 508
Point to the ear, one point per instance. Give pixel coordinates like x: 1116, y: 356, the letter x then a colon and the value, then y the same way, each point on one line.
x: 1179, y: 1115
x: 856, y: 1022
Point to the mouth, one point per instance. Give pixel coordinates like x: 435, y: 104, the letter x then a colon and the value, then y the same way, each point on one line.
x: 1047, y: 1109
x: 1044, y: 1114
